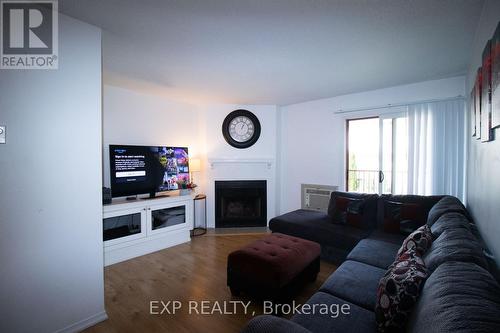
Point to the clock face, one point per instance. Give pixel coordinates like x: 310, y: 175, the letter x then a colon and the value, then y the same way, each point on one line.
x: 241, y: 129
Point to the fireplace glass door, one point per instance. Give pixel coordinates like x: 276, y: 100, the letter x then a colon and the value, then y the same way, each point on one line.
x: 241, y: 203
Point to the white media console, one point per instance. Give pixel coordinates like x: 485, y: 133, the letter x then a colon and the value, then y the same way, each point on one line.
x: 142, y: 226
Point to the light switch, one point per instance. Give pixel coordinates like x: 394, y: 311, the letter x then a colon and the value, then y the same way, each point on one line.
x: 2, y: 134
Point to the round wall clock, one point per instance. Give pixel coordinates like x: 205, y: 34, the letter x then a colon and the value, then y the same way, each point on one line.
x: 241, y: 128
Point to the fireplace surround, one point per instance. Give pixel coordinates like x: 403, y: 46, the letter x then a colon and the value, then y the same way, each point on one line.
x: 240, y: 203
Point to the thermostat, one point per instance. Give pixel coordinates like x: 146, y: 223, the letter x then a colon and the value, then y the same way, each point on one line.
x: 2, y: 134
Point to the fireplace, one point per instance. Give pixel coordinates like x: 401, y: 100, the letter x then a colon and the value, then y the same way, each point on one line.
x: 240, y: 203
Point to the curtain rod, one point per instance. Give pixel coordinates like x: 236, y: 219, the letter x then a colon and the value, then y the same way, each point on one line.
x: 395, y: 105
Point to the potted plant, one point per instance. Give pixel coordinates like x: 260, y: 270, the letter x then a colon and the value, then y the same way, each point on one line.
x: 185, y: 187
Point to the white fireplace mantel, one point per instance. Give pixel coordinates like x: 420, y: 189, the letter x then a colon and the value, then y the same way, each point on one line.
x: 249, y: 168
x: 220, y: 161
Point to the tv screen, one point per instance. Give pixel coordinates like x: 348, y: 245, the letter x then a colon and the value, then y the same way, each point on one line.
x: 147, y: 169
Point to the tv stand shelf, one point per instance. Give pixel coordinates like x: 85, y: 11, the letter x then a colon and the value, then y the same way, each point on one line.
x: 132, y: 228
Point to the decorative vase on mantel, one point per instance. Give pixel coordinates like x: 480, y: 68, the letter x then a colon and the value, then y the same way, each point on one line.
x: 185, y: 191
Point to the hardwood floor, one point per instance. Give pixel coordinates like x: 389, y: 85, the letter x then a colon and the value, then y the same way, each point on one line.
x: 193, y: 271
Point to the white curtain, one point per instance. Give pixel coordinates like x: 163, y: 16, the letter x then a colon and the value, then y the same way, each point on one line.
x: 436, y: 148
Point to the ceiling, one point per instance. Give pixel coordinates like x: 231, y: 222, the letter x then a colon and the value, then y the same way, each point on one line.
x: 280, y: 51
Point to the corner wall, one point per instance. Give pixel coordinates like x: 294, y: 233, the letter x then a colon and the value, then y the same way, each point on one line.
x: 212, y: 116
x: 51, y: 249
x: 133, y: 117
x: 483, y: 186
x: 136, y: 118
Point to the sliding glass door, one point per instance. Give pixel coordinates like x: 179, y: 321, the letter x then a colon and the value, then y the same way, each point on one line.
x: 377, y: 154
x: 363, y: 136
x: 394, y: 154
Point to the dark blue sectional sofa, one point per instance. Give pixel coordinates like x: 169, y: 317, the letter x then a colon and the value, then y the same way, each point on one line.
x: 461, y: 293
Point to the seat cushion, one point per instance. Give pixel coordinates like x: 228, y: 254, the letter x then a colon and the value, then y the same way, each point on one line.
x: 317, y: 227
x: 458, y: 297
x: 358, y: 320
x: 447, y: 204
x: 387, y: 237
x: 273, y: 260
x: 374, y: 252
x: 303, y: 215
x: 355, y: 282
x: 455, y: 245
x: 272, y: 324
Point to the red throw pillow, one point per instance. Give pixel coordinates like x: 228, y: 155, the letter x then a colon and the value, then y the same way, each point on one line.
x: 398, y: 212
x: 398, y: 291
x: 420, y: 240
x: 341, y: 203
x: 348, y: 211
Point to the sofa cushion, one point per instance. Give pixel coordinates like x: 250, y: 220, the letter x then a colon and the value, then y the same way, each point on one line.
x: 272, y: 324
x: 459, y: 297
x: 358, y: 320
x: 448, y: 221
x: 355, y: 282
x: 317, y: 227
x: 403, y: 217
x: 368, y: 210
x: 374, y: 252
x: 348, y: 211
x: 426, y: 202
x: 303, y: 215
x: 475, y: 231
x: 455, y: 245
x: 398, y: 291
x: 447, y: 204
x: 420, y: 240
x: 387, y: 237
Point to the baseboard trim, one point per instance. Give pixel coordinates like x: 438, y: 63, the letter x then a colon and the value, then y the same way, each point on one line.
x: 85, y: 323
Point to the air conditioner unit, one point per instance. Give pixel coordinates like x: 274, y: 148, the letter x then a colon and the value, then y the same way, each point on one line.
x: 316, y: 197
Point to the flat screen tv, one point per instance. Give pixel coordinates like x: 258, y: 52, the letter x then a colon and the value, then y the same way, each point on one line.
x: 146, y: 169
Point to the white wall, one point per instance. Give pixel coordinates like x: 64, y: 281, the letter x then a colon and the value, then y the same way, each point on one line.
x: 483, y: 181
x: 136, y: 118
x: 312, y: 136
x: 215, y: 147
x: 51, y: 250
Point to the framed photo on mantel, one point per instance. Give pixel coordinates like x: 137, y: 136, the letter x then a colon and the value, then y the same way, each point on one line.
x: 477, y: 102
x: 495, y: 78
x: 486, y: 95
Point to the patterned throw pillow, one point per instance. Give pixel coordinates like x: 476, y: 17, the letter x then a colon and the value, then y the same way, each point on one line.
x: 397, y: 212
x: 420, y: 240
x: 348, y: 211
x: 398, y: 291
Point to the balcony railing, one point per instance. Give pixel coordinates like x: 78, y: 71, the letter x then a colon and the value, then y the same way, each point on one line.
x: 367, y: 181
x: 364, y: 181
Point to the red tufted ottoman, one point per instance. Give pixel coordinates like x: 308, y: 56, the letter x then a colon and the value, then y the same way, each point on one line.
x: 274, y: 267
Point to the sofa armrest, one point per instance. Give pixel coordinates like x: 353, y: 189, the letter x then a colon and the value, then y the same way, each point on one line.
x: 272, y: 324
